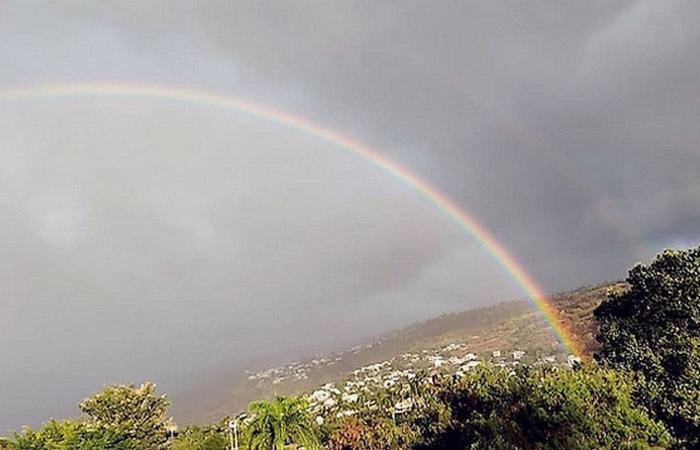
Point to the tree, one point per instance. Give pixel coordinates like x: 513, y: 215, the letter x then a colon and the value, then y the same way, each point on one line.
x: 370, y: 433
x: 69, y: 435
x: 542, y: 408
x: 350, y: 434
x: 134, y: 411
x: 283, y: 421
x: 201, y: 438
x: 654, y: 328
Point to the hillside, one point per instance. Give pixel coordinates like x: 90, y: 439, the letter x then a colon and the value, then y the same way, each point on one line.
x: 490, y: 333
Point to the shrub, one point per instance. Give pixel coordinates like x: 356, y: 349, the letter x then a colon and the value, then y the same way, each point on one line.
x: 544, y: 408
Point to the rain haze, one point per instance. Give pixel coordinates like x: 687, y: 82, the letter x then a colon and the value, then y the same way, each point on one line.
x: 149, y: 238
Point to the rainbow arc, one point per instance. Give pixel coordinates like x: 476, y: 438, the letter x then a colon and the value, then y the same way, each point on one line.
x: 440, y: 201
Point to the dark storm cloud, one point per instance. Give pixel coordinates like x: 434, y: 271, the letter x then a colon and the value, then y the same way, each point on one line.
x: 569, y: 130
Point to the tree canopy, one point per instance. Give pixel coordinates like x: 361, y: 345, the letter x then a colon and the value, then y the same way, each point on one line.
x: 544, y: 408
x: 134, y: 410
x: 122, y: 417
x: 653, y: 328
x: 201, y: 438
x: 69, y: 435
x: 282, y: 421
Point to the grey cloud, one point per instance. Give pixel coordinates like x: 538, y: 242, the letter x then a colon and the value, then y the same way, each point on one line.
x: 568, y: 130
x: 142, y: 235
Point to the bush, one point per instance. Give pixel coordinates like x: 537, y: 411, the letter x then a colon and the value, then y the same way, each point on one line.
x: 544, y: 408
x: 198, y: 438
x: 370, y: 433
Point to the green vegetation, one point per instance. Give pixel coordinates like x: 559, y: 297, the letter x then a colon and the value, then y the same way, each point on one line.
x: 505, y: 327
x: 202, y: 438
x: 118, y: 418
x: 135, y: 412
x: 281, y: 422
x: 491, y: 408
x: 642, y: 393
x: 653, y: 328
x: 70, y: 435
x: 586, y: 408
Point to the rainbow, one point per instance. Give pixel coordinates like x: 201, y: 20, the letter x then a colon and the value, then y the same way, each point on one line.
x: 444, y: 204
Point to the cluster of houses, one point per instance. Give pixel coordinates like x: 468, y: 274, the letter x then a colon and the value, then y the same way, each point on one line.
x: 355, y: 393
x: 299, y: 370
x: 392, y: 377
x: 294, y: 371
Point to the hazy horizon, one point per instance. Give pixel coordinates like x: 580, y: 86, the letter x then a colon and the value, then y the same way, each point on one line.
x: 151, y: 239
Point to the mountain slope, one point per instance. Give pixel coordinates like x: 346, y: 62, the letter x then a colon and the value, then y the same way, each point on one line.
x: 503, y: 328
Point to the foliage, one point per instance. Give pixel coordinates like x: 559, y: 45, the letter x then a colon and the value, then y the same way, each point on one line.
x: 654, y: 328
x: 283, y: 421
x: 376, y: 424
x: 648, y: 383
x: 370, y: 433
x: 543, y: 408
x: 134, y: 411
x: 201, y: 438
x: 350, y: 434
x: 118, y: 418
x: 69, y: 435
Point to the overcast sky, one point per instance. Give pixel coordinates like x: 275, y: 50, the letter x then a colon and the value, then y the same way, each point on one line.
x: 149, y: 239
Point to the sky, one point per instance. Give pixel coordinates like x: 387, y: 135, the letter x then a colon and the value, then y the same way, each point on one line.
x: 152, y: 239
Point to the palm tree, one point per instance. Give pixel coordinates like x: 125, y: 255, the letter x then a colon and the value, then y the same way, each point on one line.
x: 283, y: 421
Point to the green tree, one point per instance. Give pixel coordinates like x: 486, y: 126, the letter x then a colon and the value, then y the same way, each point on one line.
x: 654, y: 328
x: 281, y: 422
x: 541, y: 408
x: 69, y: 435
x: 201, y: 438
x: 135, y: 411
